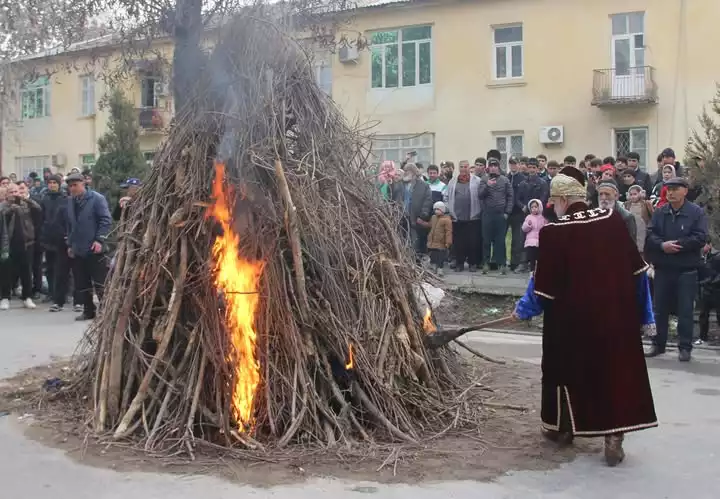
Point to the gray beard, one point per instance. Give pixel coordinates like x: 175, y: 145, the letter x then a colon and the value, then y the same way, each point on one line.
x: 607, y: 205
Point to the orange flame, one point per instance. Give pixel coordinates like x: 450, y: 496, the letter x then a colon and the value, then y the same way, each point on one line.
x: 238, y: 278
x: 351, y: 358
x: 428, y: 325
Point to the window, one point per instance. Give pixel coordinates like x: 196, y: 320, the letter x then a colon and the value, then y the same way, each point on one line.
x: 510, y: 144
x: 396, y: 147
x: 87, y: 95
x: 401, y: 58
x: 629, y: 140
x: 508, y: 52
x: 149, y: 157
x: 628, y: 42
x: 35, y: 99
x: 87, y: 161
x: 149, y: 91
x: 323, y: 76
x: 24, y: 166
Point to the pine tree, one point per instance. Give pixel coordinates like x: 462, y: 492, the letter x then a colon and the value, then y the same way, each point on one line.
x: 703, y: 159
x: 120, y: 156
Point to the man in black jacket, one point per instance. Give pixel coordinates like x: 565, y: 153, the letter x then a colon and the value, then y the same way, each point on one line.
x: 641, y: 178
x: 675, y: 239
x: 533, y: 187
x: 516, y: 219
x: 53, y: 233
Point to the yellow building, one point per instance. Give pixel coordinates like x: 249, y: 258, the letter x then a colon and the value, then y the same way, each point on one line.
x: 451, y: 79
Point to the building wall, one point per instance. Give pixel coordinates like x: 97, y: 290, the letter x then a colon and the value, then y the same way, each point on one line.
x: 564, y: 41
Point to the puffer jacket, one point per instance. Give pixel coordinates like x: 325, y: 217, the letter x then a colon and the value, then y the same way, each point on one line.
x: 440, y: 236
x: 54, y: 219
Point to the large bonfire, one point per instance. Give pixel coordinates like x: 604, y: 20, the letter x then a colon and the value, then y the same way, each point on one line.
x: 261, y: 295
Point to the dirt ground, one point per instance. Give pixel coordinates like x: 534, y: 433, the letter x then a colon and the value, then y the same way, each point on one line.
x: 508, y: 439
x: 466, y: 309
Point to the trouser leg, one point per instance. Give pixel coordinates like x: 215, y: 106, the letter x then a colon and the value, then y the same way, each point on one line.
x: 37, y: 268
x: 687, y: 286
x: 61, y: 275
x: 83, y: 284
x: 665, y: 282
x: 517, y: 243
x: 499, y: 245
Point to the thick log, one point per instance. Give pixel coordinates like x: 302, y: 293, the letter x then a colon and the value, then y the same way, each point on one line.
x: 443, y: 337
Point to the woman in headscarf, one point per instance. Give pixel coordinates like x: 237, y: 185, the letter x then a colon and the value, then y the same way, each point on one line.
x: 387, y: 176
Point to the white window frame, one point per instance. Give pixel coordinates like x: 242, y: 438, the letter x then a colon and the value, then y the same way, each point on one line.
x: 84, y: 164
x: 156, y: 88
x: 149, y: 157
x: 508, y: 136
x: 87, y: 95
x: 324, y: 68
x: 508, y: 53
x: 24, y: 165
x: 630, y: 129
x: 404, y: 143
x: 30, y: 91
x: 399, y: 44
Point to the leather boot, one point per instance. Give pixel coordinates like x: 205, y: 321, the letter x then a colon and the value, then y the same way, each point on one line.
x: 562, y: 438
x: 614, y: 453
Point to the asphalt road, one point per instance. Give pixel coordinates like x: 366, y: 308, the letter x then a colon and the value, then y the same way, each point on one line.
x: 678, y: 460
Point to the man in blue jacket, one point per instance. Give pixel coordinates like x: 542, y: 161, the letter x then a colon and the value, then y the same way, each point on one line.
x: 674, y: 243
x: 89, y: 223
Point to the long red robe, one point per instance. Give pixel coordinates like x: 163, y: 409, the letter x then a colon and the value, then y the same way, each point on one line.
x: 594, y: 376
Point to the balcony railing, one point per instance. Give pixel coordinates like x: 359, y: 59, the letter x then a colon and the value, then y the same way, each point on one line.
x: 151, y: 119
x: 627, y: 86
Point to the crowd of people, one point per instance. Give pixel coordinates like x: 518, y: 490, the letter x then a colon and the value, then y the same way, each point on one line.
x: 54, y: 240
x: 463, y: 219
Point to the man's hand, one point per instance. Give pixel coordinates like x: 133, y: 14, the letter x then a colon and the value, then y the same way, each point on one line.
x: 124, y: 201
x: 506, y: 216
x: 706, y: 249
x: 422, y: 223
x: 492, y: 181
x: 671, y: 247
x: 515, y: 316
x: 96, y: 247
x: 70, y: 253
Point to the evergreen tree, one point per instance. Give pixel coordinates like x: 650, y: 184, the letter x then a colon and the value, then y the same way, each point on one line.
x: 120, y: 156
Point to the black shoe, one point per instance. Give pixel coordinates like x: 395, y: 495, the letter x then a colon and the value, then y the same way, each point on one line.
x: 654, y: 351
x: 472, y: 268
x: 684, y: 356
x: 85, y: 317
x: 56, y: 308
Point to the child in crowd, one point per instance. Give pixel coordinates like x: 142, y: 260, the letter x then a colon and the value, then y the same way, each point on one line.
x: 531, y: 227
x: 659, y: 194
x: 440, y: 237
x: 642, y: 210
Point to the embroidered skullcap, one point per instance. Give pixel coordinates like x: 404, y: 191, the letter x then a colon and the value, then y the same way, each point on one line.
x: 566, y: 186
x: 575, y: 173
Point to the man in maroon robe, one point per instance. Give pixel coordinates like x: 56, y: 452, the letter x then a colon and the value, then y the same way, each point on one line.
x: 590, y: 282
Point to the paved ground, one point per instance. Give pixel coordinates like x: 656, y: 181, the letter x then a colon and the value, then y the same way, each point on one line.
x: 679, y: 460
x: 492, y: 283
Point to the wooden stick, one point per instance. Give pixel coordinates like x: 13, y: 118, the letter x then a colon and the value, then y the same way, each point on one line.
x: 376, y: 413
x: 443, y: 337
x: 294, y: 235
x: 478, y: 354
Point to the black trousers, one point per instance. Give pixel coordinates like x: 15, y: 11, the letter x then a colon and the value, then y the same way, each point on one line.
x: 90, y: 272
x: 465, y: 242
x: 532, y: 254
x: 37, y: 268
x: 58, y: 272
x: 709, y: 301
x: 18, y: 266
x: 438, y: 257
x: 517, y: 239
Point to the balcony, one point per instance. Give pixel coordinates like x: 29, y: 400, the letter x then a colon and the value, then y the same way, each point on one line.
x: 151, y: 120
x: 624, y: 87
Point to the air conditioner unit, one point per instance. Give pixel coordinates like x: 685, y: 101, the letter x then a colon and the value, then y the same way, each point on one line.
x: 348, y: 53
x: 552, y: 134
x: 58, y: 159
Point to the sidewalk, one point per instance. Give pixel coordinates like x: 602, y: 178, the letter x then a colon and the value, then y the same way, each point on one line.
x: 490, y: 284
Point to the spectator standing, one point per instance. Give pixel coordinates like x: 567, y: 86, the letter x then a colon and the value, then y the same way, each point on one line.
x: 642, y: 210
x: 465, y: 208
x: 553, y: 167
x: 570, y: 161
x: 516, y: 219
x: 542, y: 165
x: 608, y: 196
x: 480, y: 167
x: 4, y: 182
x: 52, y: 242
x: 386, y: 178
x: 659, y: 193
x: 89, y: 223
x: 531, y: 227
x: 627, y: 180
x: 496, y: 193
x: 413, y: 195
x: 641, y: 178
x: 17, y: 234
x: 440, y: 237
x: 448, y: 171
x: 668, y: 158
x: 131, y: 186
x: 437, y: 186
x: 621, y: 164
x: 533, y: 187
x: 676, y: 237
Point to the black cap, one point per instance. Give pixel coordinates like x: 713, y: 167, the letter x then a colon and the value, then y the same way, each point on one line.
x: 493, y: 162
x: 74, y: 177
x: 668, y: 153
x: 573, y: 172
x: 512, y: 161
x: 677, y: 182
x: 533, y: 161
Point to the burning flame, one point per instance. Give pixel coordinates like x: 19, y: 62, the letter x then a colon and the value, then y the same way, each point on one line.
x: 238, y: 278
x: 351, y: 358
x: 428, y: 325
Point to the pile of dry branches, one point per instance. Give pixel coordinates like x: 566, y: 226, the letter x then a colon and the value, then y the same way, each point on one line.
x: 336, y: 278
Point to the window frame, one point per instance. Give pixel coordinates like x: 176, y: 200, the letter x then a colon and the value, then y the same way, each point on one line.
x: 320, y: 68
x: 508, y: 53
x: 87, y: 95
x: 507, y: 154
x: 39, y: 163
x: 35, y: 88
x: 403, y: 150
x: 629, y: 130
x: 146, y: 88
x: 400, y: 44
